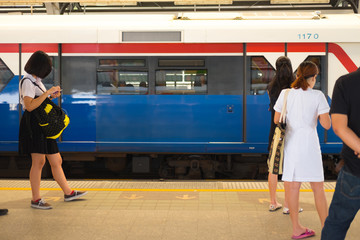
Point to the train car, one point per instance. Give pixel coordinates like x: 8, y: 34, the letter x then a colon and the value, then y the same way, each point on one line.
x: 180, y: 94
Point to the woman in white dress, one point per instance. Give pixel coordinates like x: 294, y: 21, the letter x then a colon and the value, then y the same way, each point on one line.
x: 302, y: 154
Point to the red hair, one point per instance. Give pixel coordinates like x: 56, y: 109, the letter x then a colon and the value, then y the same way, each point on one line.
x: 305, y: 71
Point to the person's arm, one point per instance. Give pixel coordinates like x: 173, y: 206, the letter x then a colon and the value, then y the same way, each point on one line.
x: 277, y: 117
x: 341, y: 129
x: 325, y: 120
x: 278, y: 107
x: 33, y: 103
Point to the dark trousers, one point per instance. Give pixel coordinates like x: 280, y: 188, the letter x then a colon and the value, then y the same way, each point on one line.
x: 344, y: 206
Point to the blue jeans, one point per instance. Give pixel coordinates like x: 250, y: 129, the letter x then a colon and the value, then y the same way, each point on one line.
x: 344, y: 206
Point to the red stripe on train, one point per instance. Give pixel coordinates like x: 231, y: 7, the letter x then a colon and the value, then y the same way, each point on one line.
x: 265, y: 47
x: 9, y: 48
x: 190, y: 47
x: 153, y: 48
x: 29, y: 47
x: 306, y: 47
x: 46, y: 47
x: 342, y: 56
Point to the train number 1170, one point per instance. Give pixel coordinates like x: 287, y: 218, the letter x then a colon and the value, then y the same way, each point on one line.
x: 308, y: 36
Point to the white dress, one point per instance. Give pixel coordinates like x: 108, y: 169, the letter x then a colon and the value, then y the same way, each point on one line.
x: 302, y: 154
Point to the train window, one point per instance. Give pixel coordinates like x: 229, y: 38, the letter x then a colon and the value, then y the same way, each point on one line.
x: 5, y: 75
x: 122, y: 63
x: 122, y: 82
x: 181, y: 63
x: 181, y: 82
x: 261, y: 73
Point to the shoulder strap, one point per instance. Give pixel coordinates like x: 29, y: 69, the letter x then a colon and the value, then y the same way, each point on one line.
x: 22, y: 81
x: 283, y: 110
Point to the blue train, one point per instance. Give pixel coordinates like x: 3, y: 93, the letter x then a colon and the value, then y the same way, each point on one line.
x: 185, y: 98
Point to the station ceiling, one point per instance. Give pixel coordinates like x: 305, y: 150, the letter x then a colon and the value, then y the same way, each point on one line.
x: 112, y: 6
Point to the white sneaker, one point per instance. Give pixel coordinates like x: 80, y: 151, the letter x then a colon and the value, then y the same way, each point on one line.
x: 273, y: 208
x: 287, y: 211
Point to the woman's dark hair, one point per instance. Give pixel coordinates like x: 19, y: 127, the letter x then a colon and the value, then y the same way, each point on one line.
x: 306, y: 70
x: 39, y: 64
x: 283, y: 78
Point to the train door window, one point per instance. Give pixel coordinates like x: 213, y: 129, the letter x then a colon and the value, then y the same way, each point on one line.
x: 181, y: 82
x: 122, y: 82
x: 5, y: 75
x: 50, y: 80
x: 317, y: 60
x: 225, y: 75
x: 261, y: 73
x: 78, y: 74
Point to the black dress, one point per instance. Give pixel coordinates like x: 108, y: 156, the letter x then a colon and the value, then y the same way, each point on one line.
x: 31, y: 138
x: 273, y: 99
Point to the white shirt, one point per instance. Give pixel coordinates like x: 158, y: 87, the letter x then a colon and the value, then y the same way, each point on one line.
x: 302, y: 153
x: 29, y: 89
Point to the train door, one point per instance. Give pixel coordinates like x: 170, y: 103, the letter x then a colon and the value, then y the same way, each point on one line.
x: 199, y: 101
x: 78, y: 81
x: 124, y: 114
x: 299, y: 52
x: 9, y: 99
x: 226, y: 93
x: 261, y: 60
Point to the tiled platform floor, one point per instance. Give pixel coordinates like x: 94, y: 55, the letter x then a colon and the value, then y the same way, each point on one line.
x: 201, y: 210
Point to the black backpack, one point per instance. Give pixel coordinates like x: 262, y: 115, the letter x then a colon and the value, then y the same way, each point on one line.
x: 51, y: 118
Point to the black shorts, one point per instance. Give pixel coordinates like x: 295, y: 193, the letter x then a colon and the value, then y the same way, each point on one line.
x: 31, y: 138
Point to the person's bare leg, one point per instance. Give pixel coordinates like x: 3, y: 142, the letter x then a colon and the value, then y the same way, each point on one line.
x: 292, y: 192
x: 273, y: 180
x: 55, y: 161
x: 320, y: 201
x: 38, y: 162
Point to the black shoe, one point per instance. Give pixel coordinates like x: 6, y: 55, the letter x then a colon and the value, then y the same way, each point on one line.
x: 74, y: 195
x: 3, y: 212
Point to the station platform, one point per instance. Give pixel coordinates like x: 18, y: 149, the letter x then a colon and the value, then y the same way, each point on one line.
x: 152, y: 209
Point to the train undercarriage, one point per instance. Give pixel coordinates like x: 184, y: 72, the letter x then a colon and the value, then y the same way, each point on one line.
x: 157, y: 166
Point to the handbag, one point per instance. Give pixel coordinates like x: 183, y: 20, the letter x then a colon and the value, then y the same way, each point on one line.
x: 276, y: 153
x: 51, y: 118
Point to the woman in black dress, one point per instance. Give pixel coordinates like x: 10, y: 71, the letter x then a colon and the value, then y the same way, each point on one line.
x: 284, y: 76
x: 31, y: 139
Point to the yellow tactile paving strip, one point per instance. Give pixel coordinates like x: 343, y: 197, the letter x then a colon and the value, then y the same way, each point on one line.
x: 154, y: 185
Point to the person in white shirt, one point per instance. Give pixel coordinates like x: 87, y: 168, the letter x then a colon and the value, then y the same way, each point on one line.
x: 302, y: 153
x: 31, y: 139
